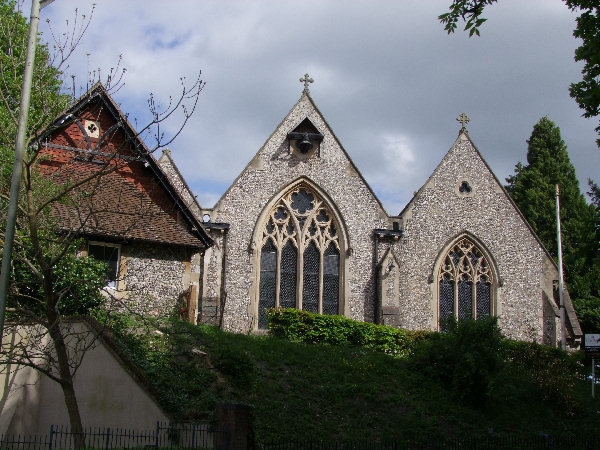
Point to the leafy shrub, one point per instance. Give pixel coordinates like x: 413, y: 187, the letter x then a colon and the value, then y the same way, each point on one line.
x: 80, y: 279
x: 552, y: 371
x: 77, y: 280
x: 118, y: 322
x: 302, y: 326
x: 466, y: 358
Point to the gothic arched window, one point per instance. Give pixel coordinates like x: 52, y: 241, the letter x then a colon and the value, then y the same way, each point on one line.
x: 299, y: 256
x: 465, y: 283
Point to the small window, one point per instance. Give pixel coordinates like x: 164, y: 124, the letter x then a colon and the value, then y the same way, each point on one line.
x: 465, y: 188
x: 92, y: 128
x: 110, y: 254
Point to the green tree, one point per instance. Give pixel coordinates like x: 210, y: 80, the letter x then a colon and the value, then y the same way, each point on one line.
x: 594, y: 194
x: 469, y: 11
x: 533, y: 188
x: 47, y: 99
x: 43, y: 276
x: 588, y: 309
x: 49, y: 281
x: 585, y: 92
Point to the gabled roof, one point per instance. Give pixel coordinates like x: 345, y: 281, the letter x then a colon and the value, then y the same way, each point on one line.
x: 463, y: 136
x: 117, y: 208
x: 169, y: 167
x: 305, y: 96
x: 114, y: 209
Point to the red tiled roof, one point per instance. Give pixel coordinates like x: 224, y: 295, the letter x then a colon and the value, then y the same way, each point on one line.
x: 136, y: 202
x: 110, y: 206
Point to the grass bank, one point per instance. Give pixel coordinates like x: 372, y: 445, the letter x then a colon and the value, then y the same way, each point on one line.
x: 350, y: 393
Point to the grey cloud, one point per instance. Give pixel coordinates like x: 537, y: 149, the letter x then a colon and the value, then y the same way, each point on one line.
x: 382, y: 68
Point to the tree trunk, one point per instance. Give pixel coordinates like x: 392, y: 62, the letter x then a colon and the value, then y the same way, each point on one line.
x: 66, y: 381
x: 74, y: 416
x: 51, y: 300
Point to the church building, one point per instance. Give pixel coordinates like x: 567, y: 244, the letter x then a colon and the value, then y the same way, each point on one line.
x: 300, y: 227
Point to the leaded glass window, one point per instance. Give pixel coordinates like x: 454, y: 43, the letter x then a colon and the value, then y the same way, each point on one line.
x: 287, y: 293
x: 465, y: 283
x: 331, y: 280
x: 311, y: 278
x: 268, y: 267
x: 446, y: 298
x: 300, y: 256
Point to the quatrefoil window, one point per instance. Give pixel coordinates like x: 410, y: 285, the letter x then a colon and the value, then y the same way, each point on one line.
x: 92, y: 128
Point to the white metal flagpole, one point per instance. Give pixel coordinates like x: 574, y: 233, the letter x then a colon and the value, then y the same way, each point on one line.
x: 593, y: 377
x: 20, y: 144
x: 560, y: 273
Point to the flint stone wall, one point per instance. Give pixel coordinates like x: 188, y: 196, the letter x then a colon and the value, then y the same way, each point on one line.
x: 439, y: 213
x: 155, y: 278
x: 273, y: 169
x: 405, y: 294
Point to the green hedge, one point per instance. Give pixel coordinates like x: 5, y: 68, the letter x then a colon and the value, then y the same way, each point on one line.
x: 301, y: 326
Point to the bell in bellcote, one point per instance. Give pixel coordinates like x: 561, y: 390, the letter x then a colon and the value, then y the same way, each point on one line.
x: 305, y: 145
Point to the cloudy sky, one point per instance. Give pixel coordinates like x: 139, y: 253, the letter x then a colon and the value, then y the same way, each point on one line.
x: 387, y: 78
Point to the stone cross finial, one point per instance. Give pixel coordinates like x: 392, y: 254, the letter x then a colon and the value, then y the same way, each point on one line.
x: 464, y: 120
x: 306, y: 80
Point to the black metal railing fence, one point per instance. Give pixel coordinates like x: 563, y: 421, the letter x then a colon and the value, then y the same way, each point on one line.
x: 492, y: 442
x: 164, y: 436
x: 200, y: 436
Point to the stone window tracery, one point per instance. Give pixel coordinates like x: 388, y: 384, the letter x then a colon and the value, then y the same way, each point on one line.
x: 466, y: 283
x: 299, y: 256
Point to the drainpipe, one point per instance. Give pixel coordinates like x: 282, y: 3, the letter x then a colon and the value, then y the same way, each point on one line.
x: 376, y: 258
x: 561, y: 294
x: 223, y: 292
x: 200, y: 285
